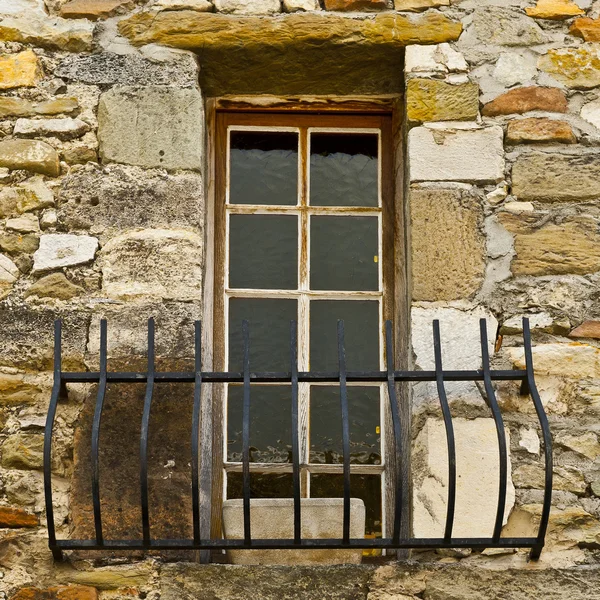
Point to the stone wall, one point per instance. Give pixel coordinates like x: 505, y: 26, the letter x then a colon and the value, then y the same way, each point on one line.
x: 102, y: 207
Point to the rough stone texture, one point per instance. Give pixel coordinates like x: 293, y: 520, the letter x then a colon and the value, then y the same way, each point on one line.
x: 55, y: 285
x: 107, y: 578
x: 13, y: 518
x: 539, y: 131
x: 23, y: 451
x: 113, y: 69
x: 18, y: 388
x: 30, y: 155
x: 63, y: 250
x: 93, y: 9
x: 65, y: 129
x: 585, y: 444
x: 554, y: 9
x: 525, y: 99
x: 586, y: 28
x: 155, y: 263
x: 355, y: 5
x: 591, y: 113
x: 588, y: 329
x: 473, y: 155
x: 512, y: 68
x: 127, y: 114
x: 118, y: 197
x: 300, y: 5
x: 27, y: 223
x: 577, y: 68
x: 571, y: 247
x: 477, y: 478
x: 15, y: 242
x: 417, y: 5
x: 8, y: 275
x: 434, y: 100
x: 31, y: 195
x: 199, y: 5
x: 17, y: 70
x: 446, y: 239
x: 436, y: 58
x: 248, y: 7
x: 69, y: 592
x: 556, y: 177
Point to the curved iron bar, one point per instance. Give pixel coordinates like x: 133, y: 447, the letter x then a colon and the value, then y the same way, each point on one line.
x: 246, y: 434
x: 503, y: 453
x: 345, y: 429
x: 295, y: 435
x: 144, y: 435
x: 391, y: 386
x: 96, y: 434
x: 546, y: 436
x: 439, y: 378
x: 196, y: 429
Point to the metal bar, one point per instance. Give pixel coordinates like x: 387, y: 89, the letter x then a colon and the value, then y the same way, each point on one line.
x: 503, y: 452
x: 437, y: 346
x: 345, y: 429
x: 56, y: 389
x: 246, y: 434
x: 546, y: 436
x: 295, y: 433
x: 196, y: 430
x: 144, y: 435
x: 96, y: 433
x: 391, y: 386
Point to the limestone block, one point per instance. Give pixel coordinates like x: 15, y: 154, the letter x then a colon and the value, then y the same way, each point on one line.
x: 19, y: 388
x: 113, y: 577
x: 19, y: 107
x: 9, y: 273
x: 532, y: 476
x: 300, y: 5
x: 356, y: 5
x: 16, y: 243
x: 63, y: 250
x: 416, y: 5
x: 30, y: 155
x: 530, y: 441
x: 27, y: 223
x: 64, y: 129
x: 60, y: 592
x: 435, y: 100
x: 23, y: 451
x: 248, y: 7
x: 273, y: 518
x: 513, y: 68
x: 554, y: 9
x: 55, y: 285
x: 541, y: 321
x: 577, y: 67
x: 472, y: 155
x: 545, y: 177
x: 93, y: 9
x: 8, y: 7
x: 477, y: 483
x: 17, y: 70
x: 585, y: 444
x: 39, y: 29
x: 153, y: 263
x: 13, y: 518
x: 588, y: 329
x: 151, y: 127
x: 446, y: 240
x: 591, y: 113
x: 440, y: 58
x: 586, y: 28
x: 199, y: 5
x: 31, y: 195
x: 525, y: 99
x: 539, y: 131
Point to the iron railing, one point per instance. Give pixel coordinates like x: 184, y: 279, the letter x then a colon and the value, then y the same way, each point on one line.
x: 294, y: 377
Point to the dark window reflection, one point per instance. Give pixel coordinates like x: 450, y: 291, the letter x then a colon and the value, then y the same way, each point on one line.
x: 261, y: 486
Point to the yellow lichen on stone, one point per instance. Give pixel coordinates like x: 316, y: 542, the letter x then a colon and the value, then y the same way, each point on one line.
x: 575, y: 67
x: 554, y: 9
x: 435, y: 100
x: 17, y: 70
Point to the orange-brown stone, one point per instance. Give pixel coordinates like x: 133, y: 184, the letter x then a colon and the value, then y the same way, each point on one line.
x: 586, y: 28
x: 355, y: 5
x: 91, y: 9
x: 13, y: 518
x: 61, y: 592
x: 539, y: 131
x: 554, y: 9
x: 588, y: 329
x: 521, y: 100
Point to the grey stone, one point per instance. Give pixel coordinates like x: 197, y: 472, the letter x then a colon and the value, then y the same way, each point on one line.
x: 123, y: 197
x: 115, y: 69
x: 63, y: 250
x: 151, y: 127
x: 65, y: 129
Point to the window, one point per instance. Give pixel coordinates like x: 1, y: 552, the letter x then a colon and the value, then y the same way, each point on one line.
x: 303, y: 215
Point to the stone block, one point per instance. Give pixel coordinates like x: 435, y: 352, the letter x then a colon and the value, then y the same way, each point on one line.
x: 23, y: 451
x: 199, y: 5
x: 9, y: 273
x: 67, y: 592
x: 248, y: 7
x: 512, y: 68
x: 19, y: 388
x: 577, y: 67
x: 356, y: 5
x: 471, y: 155
x: 151, y: 127
x: 435, y: 100
x: 436, y: 58
x: 417, y: 5
x: 591, y: 113
x: 11, y: 7
x: 588, y: 329
x: 446, y: 241
x: 59, y: 250
x: 585, y: 443
x: 55, y: 285
x: 93, y: 9
x: 586, y: 28
x: 273, y: 518
x: 571, y: 247
x: 64, y: 129
x: 30, y: 155
x: 15, y: 243
x: 539, y: 131
x: 26, y: 223
x: 153, y: 263
x: 31, y: 195
x: 554, y: 9
x: 113, y: 577
x: 477, y: 483
x: 546, y: 177
x: 19, y: 70
x: 300, y: 5
x: 526, y: 99
x: 13, y: 518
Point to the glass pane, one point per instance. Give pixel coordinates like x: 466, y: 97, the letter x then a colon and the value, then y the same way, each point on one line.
x: 261, y: 485
x: 344, y: 169
x: 361, y: 333
x: 365, y: 487
x: 263, y: 167
x: 263, y: 251
x: 269, y: 322
x: 270, y: 423
x: 344, y: 253
x: 326, y: 425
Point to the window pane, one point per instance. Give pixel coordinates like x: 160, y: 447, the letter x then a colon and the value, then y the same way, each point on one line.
x: 263, y: 251
x: 261, y: 485
x: 326, y: 425
x: 270, y: 423
x: 269, y: 322
x: 343, y: 169
x: 361, y: 328
x: 365, y: 487
x: 343, y: 253
x: 263, y: 167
